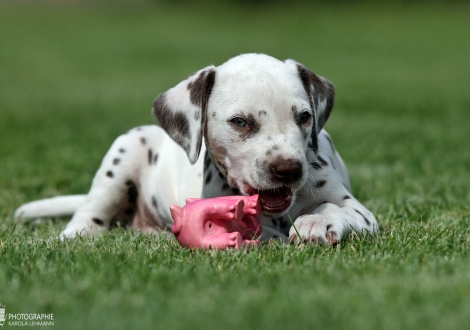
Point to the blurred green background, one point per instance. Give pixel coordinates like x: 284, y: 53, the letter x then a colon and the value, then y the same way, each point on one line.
x: 76, y: 74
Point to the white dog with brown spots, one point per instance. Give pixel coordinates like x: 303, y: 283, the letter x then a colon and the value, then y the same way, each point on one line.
x: 251, y: 125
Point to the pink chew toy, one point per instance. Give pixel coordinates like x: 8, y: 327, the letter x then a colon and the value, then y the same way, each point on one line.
x: 218, y: 223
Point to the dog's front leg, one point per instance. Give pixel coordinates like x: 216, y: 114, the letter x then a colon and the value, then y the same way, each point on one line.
x: 330, y: 223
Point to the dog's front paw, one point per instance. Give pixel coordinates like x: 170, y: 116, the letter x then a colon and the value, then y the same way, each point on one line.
x: 316, y: 228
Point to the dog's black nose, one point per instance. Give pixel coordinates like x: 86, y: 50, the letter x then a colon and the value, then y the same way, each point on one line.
x: 286, y: 171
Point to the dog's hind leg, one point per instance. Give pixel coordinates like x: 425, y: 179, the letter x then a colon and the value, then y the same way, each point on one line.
x: 115, y: 188
x: 106, y: 204
x: 118, y: 194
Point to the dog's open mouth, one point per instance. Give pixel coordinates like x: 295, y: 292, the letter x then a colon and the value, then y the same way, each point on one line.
x: 274, y: 200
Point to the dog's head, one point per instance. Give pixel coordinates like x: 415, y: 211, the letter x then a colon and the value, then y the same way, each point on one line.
x: 258, y: 117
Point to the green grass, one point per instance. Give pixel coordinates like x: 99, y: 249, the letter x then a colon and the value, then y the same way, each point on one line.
x: 74, y: 77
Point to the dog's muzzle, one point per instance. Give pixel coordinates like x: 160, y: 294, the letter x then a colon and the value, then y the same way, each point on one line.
x: 284, y: 175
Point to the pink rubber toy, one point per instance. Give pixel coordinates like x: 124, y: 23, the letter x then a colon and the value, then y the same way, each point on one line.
x: 218, y: 223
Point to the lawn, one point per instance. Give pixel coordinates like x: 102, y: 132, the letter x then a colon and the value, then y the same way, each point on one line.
x: 73, y: 77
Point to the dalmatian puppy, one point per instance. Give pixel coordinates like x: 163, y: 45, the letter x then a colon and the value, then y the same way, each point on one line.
x: 253, y: 125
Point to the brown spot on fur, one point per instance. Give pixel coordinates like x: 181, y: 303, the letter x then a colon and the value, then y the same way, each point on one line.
x: 110, y: 174
x: 154, y: 202
x: 207, y: 161
x: 175, y: 123
x: 320, y: 183
x: 208, y: 178
x: 98, y: 221
x: 202, y: 88
x: 150, y: 156
x: 322, y: 89
x: 317, y: 88
x: 218, y: 152
x: 132, y: 194
x: 181, y: 125
x: 116, y: 161
x: 143, y: 140
x: 122, y: 150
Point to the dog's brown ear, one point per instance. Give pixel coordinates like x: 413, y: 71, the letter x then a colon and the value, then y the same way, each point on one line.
x: 321, y: 95
x: 181, y: 111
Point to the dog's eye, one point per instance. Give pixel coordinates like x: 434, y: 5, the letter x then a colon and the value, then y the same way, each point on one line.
x: 304, y: 117
x: 239, y: 122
